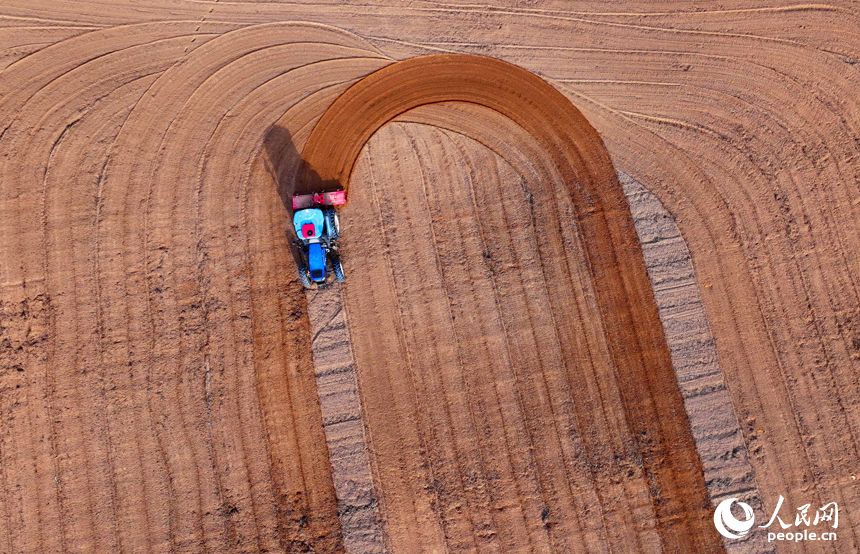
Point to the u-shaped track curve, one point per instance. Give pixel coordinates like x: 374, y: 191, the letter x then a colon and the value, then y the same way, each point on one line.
x: 642, y: 367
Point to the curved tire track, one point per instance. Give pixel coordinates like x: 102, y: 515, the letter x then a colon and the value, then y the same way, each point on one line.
x: 658, y: 430
x: 163, y: 406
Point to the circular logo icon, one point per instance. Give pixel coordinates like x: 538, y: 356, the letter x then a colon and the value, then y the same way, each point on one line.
x: 725, y: 522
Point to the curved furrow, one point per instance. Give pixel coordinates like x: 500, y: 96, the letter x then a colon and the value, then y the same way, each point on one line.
x: 567, y: 422
x: 213, y: 220
x: 26, y: 77
x: 161, y: 519
x: 184, y: 296
x: 501, y: 135
x: 192, y: 132
x: 84, y: 436
x: 751, y: 370
x: 778, y: 196
x: 60, y: 116
x: 798, y: 129
x: 774, y: 190
x: 333, y: 148
x: 17, y: 42
x: 803, y: 345
x: 235, y: 134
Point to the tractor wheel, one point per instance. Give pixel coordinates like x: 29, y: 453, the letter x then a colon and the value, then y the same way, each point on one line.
x: 303, y: 275
x: 338, y: 270
x: 333, y: 223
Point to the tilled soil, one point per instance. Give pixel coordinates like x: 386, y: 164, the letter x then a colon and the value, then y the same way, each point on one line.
x: 518, y: 442
x: 157, y: 387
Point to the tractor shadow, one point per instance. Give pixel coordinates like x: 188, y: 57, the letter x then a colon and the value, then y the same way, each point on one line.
x: 284, y: 163
x: 290, y: 172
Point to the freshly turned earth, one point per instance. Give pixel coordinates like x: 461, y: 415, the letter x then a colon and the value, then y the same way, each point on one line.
x: 158, y: 388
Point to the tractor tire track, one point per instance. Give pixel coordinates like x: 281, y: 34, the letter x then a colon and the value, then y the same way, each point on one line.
x: 330, y: 154
x: 142, y: 424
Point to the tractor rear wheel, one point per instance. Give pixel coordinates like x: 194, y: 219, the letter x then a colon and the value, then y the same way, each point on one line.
x: 333, y: 223
x: 303, y: 275
x: 338, y: 270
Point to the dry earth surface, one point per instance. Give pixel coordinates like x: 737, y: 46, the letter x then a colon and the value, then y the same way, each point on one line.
x: 163, y: 388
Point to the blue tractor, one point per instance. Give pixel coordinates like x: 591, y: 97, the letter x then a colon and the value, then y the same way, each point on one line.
x: 318, y: 228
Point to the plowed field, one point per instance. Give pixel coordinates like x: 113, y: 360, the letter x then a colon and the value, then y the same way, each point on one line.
x: 503, y: 370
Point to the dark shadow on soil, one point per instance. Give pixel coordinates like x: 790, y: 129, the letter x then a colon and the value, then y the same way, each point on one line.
x: 290, y: 173
x: 284, y: 164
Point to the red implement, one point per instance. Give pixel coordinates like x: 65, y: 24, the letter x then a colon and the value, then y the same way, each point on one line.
x: 332, y: 198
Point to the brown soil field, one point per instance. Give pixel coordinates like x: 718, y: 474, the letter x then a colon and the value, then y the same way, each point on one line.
x: 589, y: 295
